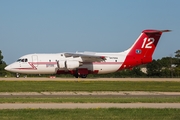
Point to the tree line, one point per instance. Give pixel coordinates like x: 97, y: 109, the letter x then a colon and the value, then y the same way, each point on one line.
x: 166, y: 67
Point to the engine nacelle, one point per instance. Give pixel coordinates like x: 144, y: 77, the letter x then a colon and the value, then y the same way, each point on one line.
x: 61, y: 64
x: 72, y: 64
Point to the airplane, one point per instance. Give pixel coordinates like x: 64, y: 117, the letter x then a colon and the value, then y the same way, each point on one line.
x: 80, y: 64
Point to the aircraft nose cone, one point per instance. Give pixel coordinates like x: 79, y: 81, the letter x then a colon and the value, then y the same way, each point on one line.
x: 8, y: 68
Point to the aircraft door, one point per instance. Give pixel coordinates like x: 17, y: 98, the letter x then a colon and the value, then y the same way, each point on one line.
x: 35, y: 60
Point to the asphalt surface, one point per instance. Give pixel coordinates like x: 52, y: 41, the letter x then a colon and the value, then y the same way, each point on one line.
x: 87, y: 94
x: 89, y: 79
x: 86, y: 105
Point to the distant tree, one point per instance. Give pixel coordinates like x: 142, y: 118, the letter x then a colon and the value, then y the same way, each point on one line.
x: 177, y: 55
x: 166, y: 73
x: 165, y: 61
x: 1, y: 57
x: 177, y: 72
x: 136, y: 72
x: 2, y: 65
x: 154, y: 69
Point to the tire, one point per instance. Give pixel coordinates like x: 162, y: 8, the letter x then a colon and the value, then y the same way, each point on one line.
x: 83, y: 76
x: 76, y: 75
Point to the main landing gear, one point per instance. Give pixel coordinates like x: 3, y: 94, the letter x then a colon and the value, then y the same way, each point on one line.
x: 81, y: 75
x: 83, y: 72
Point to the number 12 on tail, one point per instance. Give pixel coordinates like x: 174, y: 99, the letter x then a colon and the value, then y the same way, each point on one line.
x: 149, y: 43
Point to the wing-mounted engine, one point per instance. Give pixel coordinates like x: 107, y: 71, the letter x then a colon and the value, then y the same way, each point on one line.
x: 69, y: 64
x: 72, y: 64
x: 61, y: 64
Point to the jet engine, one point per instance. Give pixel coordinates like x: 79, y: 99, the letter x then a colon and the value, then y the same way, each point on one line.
x: 72, y: 64
x: 69, y: 64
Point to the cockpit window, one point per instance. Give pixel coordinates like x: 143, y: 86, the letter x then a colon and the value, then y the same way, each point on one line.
x: 18, y: 60
x: 22, y: 60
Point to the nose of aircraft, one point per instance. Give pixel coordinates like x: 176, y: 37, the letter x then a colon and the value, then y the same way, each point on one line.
x: 8, y: 68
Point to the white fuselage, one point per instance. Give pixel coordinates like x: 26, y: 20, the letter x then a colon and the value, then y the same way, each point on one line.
x: 47, y: 63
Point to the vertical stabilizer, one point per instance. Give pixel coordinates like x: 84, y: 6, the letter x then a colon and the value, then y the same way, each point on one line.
x: 143, y: 48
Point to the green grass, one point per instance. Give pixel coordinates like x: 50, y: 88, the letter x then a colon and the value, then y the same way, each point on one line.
x: 91, y: 114
x: 93, y: 100
x: 55, y: 86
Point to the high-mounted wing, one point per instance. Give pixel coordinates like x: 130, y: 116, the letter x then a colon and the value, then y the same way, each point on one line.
x: 87, y: 56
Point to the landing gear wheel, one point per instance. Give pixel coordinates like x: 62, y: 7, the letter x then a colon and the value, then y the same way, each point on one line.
x: 83, y: 76
x: 76, y: 75
x: 17, y: 75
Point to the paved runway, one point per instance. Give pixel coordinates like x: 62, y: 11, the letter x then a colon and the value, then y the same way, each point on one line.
x: 89, y: 79
x: 87, y: 105
x: 87, y: 94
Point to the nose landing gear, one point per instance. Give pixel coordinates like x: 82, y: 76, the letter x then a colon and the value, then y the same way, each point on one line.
x: 17, y: 75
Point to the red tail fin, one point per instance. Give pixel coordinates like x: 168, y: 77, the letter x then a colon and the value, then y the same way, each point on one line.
x: 142, y: 50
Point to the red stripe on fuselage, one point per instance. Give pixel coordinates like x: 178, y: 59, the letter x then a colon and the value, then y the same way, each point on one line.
x: 102, y: 63
x: 32, y: 64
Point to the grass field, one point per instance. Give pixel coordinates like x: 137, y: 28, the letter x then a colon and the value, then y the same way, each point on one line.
x: 93, y: 100
x: 91, y: 114
x: 55, y: 86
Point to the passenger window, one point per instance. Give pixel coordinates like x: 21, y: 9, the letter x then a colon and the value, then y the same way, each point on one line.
x: 26, y: 60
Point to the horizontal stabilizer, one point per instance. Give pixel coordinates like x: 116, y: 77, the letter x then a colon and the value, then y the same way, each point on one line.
x: 156, y: 31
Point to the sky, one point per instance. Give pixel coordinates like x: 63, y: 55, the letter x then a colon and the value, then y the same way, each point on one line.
x: 54, y: 26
